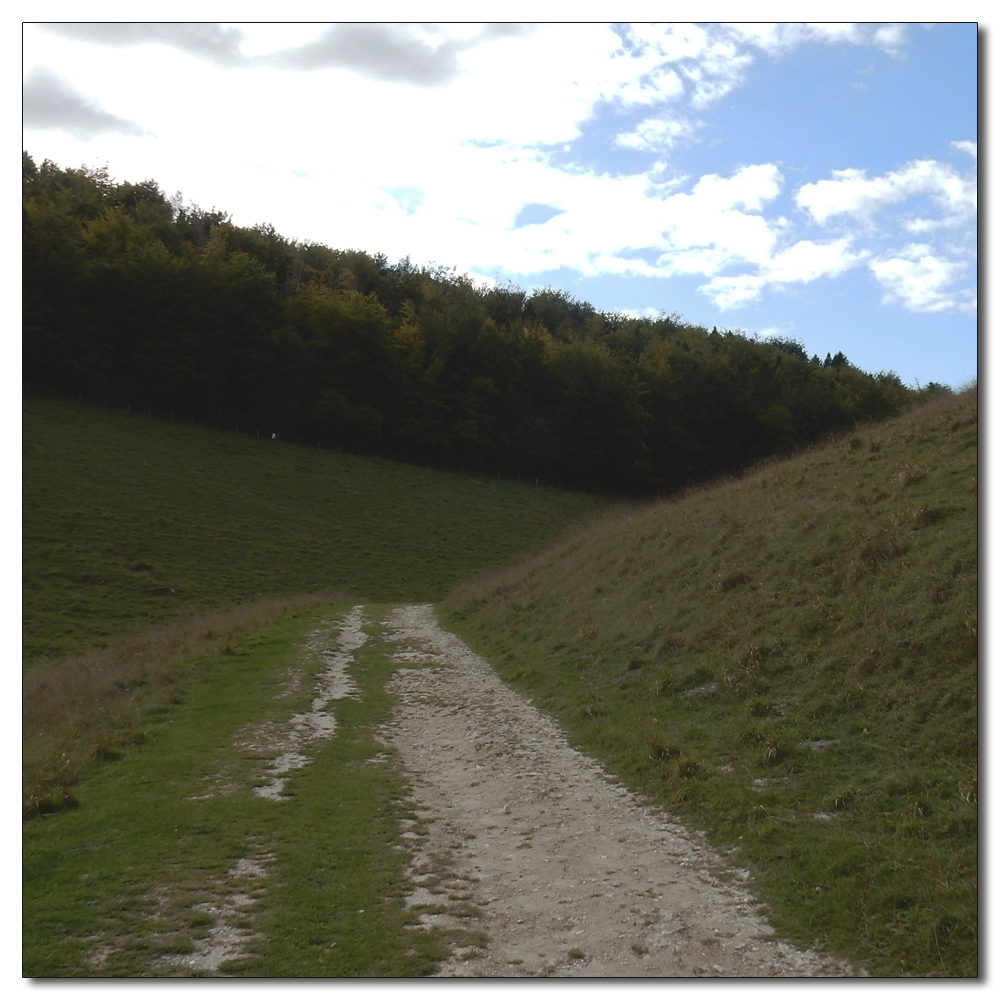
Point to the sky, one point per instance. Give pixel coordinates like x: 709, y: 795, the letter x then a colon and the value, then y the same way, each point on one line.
x: 808, y: 181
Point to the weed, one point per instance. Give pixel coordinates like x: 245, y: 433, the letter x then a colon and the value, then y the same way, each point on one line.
x: 911, y: 473
x: 658, y: 750
x: 879, y: 544
x: 746, y: 667
x: 687, y: 767
x: 732, y: 581
x: 664, y: 684
x: 755, y: 735
x: 923, y: 517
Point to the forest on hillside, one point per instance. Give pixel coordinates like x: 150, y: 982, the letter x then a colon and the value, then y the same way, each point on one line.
x: 138, y: 299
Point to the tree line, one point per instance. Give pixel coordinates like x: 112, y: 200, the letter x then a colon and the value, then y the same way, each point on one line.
x: 136, y: 298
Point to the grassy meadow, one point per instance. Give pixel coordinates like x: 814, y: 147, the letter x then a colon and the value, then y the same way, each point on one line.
x: 131, y: 521
x: 787, y: 660
x: 149, y: 542
x: 170, y: 575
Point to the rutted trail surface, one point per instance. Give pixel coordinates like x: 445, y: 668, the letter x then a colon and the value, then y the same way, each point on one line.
x: 570, y: 873
x: 319, y: 723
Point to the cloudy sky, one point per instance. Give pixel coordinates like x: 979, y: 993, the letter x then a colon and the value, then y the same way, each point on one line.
x: 809, y: 181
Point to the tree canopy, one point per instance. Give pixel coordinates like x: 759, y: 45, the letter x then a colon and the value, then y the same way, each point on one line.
x: 135, y: 298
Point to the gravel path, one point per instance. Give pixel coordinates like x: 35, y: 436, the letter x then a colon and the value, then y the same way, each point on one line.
x: 566, y: 872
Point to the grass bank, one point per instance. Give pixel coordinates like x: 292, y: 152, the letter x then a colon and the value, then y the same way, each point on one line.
x: 788, y: 660
x: 95, y: 704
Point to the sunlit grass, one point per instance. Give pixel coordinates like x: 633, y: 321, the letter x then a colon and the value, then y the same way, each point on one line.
x: 125, y: 885
x: 95, y: 704
x: 789, y: 660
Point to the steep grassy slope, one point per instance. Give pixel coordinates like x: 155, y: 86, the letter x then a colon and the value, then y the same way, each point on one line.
x: 788, y: 659
x: 130, y: 521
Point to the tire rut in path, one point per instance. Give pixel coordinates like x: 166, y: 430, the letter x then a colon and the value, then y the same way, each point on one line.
x: 570, y: 873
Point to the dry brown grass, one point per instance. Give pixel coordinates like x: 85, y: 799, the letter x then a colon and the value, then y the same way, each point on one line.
x: 911, y: 473
x: 89, y: 705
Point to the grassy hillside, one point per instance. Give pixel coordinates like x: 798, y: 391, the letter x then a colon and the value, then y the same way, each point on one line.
x: 789, y: 660
x: 130, y: 521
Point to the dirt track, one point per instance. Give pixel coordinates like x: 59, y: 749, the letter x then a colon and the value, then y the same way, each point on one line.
x: 518, y: 836
x: 565, y: 872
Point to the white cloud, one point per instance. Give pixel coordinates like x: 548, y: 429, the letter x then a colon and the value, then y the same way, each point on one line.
x: 921, y: 277
x: 690, y: 67
x: 964, y: 146
x: 656, y: 134
x: 890, y: 38
x: 425, y: 55
x: 800, y: 263
x: 920, y: 281
x: 718, y: 223
x: 202, y: 40
x: 853, y: 193
x: 700, y: 62
x: 729, y: 292
x: 807, y: 260
x: 780, y: 38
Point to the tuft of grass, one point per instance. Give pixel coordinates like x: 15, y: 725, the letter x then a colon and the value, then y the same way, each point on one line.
x: 808, y: 633
x: 911, y: 473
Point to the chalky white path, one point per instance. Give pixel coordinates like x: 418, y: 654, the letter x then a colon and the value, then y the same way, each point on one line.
x: 572, y: 874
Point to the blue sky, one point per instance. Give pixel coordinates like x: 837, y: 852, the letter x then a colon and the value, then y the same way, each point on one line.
x: 808, y: 181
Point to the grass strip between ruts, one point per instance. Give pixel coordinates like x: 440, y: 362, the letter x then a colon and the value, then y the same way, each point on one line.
x: 130, y: 883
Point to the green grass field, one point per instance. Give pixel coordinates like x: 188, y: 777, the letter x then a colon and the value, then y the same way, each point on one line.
x: 788, y: 660
x: 130, y: 521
